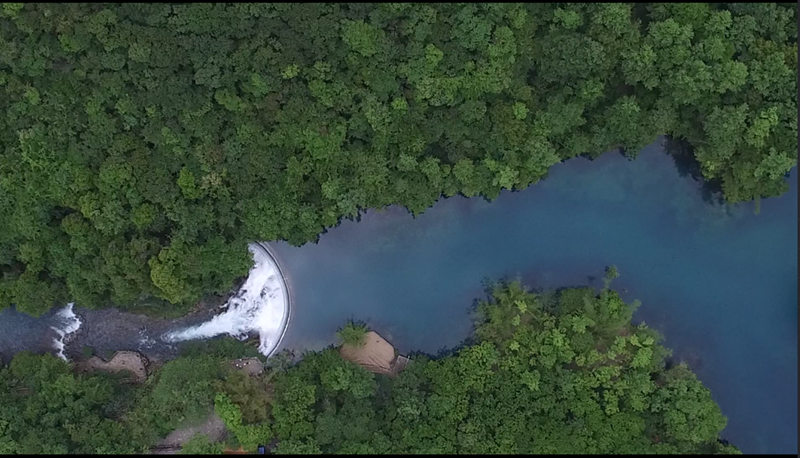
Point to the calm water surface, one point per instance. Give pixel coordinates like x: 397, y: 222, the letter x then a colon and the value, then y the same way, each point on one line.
x: 719, y: 282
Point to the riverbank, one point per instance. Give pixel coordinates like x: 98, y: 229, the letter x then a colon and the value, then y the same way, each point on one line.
x: 375, y: 354
x: 134, y: 365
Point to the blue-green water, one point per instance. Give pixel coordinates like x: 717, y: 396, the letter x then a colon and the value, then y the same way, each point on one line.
x: 720, y: 282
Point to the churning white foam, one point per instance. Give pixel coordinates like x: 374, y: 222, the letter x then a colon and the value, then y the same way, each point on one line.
x: 68, y: 323
x: 261, y: 305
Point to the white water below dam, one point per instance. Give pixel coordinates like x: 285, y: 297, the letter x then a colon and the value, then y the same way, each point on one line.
x: 261, y: 305
x: 68, y: 323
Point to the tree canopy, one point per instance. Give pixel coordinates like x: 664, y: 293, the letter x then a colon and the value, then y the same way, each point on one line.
x: 553, y: 372
x: 546, y: 373
x: 46, y: 409
x: 144, y: 144
x: 352, y: 333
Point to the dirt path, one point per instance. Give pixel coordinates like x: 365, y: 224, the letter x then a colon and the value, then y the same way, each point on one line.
x: 212, y: 426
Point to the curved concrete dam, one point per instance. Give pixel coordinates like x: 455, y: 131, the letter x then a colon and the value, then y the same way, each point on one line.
x: 261, y: 305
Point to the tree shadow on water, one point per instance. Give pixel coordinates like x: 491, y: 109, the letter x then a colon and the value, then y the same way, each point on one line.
x: 686, y: 163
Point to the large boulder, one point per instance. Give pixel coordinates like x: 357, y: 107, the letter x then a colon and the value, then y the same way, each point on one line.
x: 123, y: 361
x: 250, y: 366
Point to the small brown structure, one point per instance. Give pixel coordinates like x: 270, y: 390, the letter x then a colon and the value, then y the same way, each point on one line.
x: 130, y: 361
x: 375, y: 355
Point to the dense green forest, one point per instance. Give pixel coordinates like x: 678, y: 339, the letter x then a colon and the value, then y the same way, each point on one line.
x: 553, y: 372
x: 144, y: 144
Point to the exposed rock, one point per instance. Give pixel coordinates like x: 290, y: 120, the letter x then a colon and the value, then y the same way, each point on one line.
x: 250, y: 366
x: 133, y: 362
x: 213, y: 427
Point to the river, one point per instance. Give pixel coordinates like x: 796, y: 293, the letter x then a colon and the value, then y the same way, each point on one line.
x: 718, y: 281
